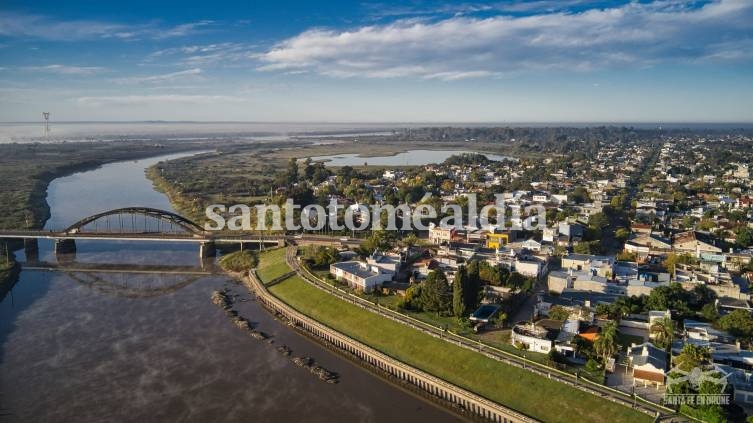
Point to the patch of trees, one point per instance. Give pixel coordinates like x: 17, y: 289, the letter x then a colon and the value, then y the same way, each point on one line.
x: 239, y: 261
x: 467, y: 159
x: 320, y: 256
x: 435, y: 294
x: 739, y: 323
x: 692, y: 357
x: 674, y: 297
x: 500, y: 276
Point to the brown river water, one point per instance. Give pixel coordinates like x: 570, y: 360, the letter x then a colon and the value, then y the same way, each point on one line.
x: 123, y: 347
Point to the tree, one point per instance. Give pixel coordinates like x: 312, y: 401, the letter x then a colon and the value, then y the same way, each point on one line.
x: 744, y: 236
x: 709, y: 312
x: 558, y: 313
x: 518, y: 281
x: 409, y: 240
x: 738, y: 323
x: 669, y: 297
x: 587, y: 247
x: 663, y: 331
x: 378, y: 240
x: 622, y: 234
x: 292, y: 174
x: 458, y: 292
x: 598, y: 221
x: 606, y: 343
x: 579, y: 195
x: 308, y: 170
x: 435, y: 292
x: 320, y: 256
x: 692, y: 356
x: 670, y: 263
x: 412, y: 299
x: 473, y: 293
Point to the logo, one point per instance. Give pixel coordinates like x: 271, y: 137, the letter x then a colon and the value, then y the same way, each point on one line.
x: 683, y: 387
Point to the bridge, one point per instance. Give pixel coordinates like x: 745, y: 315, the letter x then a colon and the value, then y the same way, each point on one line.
x: 150, y: 224
x: 137, y: 224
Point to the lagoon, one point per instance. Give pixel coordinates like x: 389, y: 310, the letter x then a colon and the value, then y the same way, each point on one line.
x: 406, y: 158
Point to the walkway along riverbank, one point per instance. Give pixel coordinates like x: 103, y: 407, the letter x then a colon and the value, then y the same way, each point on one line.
x: 464, y: 399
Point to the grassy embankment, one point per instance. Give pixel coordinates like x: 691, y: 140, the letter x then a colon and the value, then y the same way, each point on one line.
x: 533, y: 395
x: 272, y: 264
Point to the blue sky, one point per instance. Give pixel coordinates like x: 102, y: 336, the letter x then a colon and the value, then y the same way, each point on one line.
x: 339, y: 61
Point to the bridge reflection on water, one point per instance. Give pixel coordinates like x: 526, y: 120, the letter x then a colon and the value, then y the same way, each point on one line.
x: 130, y: 280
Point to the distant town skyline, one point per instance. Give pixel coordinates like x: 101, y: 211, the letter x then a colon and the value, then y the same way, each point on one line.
x: 420, y: 61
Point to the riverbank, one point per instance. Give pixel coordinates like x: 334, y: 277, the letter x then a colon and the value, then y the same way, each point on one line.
x: 530, y: 394
x: 27, y: 170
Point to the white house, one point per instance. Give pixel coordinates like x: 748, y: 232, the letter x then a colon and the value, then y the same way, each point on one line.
x: 649, y: 364
x: 360, y: 275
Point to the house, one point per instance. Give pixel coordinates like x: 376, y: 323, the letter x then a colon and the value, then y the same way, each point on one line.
x: 360, y: 275
x: 389, y: 263
x: 560, y: 282
x: 532, y: 245
x: 648, y: 363
x: 421, y: 268
x: 533, y: 267
x: 497, y: 241
x: 640, y: 228
x: 695, y: 243
x: 550, y: 234
x: 546, y: 335
x: 649, y: 243
x: 439, y: 235
x: 571, y: 231
x: 559, y: 198
x: 598, y: 265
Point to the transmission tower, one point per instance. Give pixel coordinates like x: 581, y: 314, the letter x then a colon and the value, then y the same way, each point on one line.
x: 46, y: 117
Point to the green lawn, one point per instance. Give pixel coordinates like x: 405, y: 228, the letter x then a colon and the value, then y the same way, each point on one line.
x: 536, y: 396
x: 272, y: 264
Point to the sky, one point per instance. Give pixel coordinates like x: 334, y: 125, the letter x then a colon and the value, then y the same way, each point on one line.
x: 348, y: 61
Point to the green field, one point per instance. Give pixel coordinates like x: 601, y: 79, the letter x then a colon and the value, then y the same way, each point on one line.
x: 533, y: 395
x: 272, y: 265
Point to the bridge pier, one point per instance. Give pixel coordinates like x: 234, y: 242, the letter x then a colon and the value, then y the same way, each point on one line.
x: 207, y: 249
x: 31, y: 250
x: 65, y: 246
x: 65, y: 251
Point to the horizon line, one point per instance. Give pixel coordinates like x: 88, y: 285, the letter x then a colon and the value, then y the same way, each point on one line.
x: 416, y: 122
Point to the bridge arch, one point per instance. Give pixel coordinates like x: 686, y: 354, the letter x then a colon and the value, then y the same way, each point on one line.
x: 160, y: 215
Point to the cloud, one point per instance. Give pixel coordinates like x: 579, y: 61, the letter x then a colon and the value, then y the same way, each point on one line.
x: 144, y: 100
x: 20, y: 25
x: 207, y: 54
x: 378, y: 11
x: 461, y: 47
x: 181, y: 30
x: 66, y: 70
x: 188, y: 74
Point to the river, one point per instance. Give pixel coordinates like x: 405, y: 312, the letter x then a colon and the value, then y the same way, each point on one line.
x: 83, y: 347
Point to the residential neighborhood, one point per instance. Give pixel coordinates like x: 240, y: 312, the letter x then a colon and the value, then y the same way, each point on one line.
x: 651, y: 243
